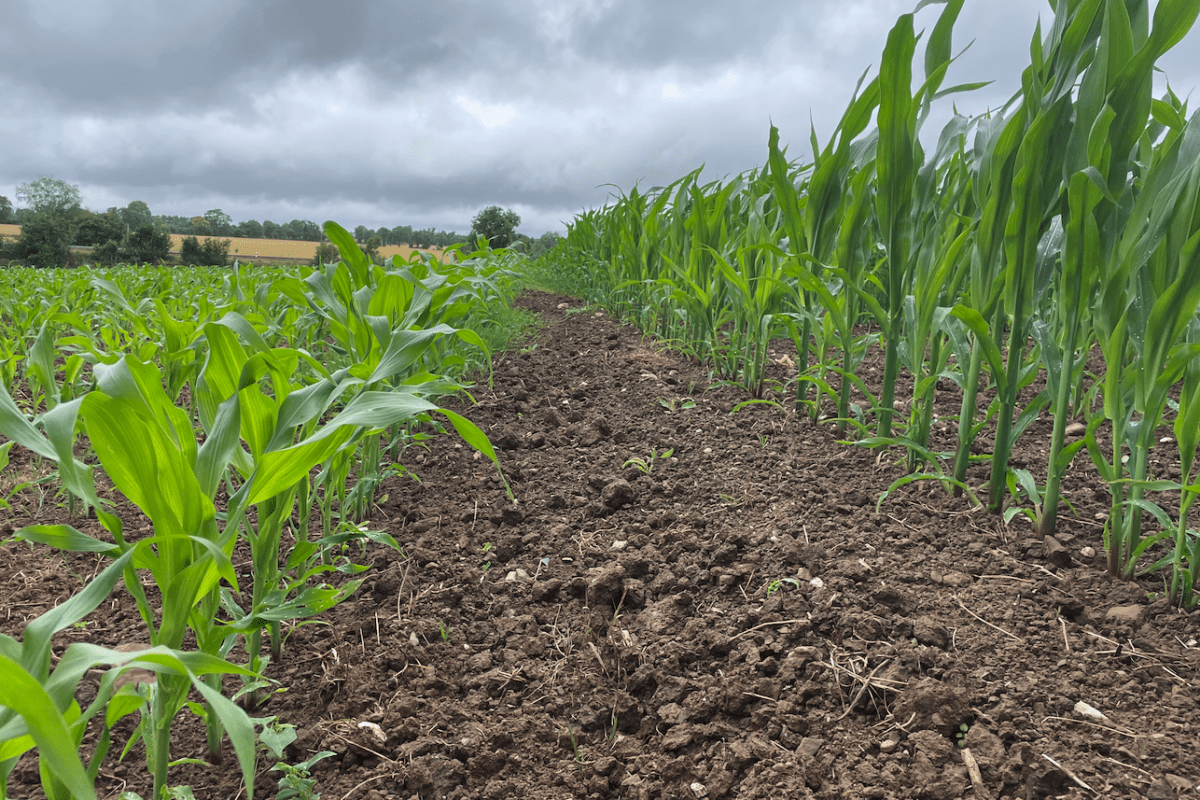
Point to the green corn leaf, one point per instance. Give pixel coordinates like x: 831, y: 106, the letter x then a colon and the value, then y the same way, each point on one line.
x: 473, y: 436
x: 37, y: 635
x: 146, y: 464
x: 220, y: 445
x: 21, y: 692
x: 65, y: 537
x: 403, y: 350
x: 351, y: 254
x: 259, y: 414
x: 984, y: 339
x: 785, y: 190
x: 59, y: 424
x: 16, y: 426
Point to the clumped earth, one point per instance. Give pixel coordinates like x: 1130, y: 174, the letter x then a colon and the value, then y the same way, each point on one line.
x: 729, y: 618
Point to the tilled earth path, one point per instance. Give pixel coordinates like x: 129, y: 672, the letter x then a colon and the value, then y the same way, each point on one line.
x: 731, y: 618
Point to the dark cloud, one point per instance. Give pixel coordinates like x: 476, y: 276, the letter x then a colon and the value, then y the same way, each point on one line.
x: 388, y: 113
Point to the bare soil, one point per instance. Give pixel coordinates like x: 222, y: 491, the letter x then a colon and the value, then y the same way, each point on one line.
x: 734, y: 620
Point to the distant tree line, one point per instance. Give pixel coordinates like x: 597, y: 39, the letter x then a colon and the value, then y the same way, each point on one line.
x: 216, y: 222
x: 405, y: 236
x: 53, y: 220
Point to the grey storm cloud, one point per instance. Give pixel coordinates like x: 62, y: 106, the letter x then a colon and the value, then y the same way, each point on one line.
x: 422, y: 113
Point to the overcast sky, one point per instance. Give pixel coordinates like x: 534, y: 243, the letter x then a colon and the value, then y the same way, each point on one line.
x: 423, y: 113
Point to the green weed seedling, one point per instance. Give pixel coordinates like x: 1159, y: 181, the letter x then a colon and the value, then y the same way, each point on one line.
x: 575, y: 751
x: 646, y: 466
x: 486, y: 564
x: 776, y: 585
x: 671, y: 404
x: 296, y: 781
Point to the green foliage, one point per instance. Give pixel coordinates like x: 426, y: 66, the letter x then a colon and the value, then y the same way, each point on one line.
x: 46, y: 241
x: 189, y: 251
x: 107, y: 254
x: 146, y: 245
x: 326, y: 253
x: 219, y: 223
x: 646, y: 465
x: 301, y: 230
x: 296, y: 782
x: 93, y: 229
x: 372, y: 248
x: 503, y: 328
x: 136, y: 215
x: 497, y: 225
x: 212, y: 252
x: 49, y: 196
x: 215, y: 252
x: 251, y: 229
x: 272, y: 435
x: 6, y: 210
x: 1061, y: 221
x: 544, y: 244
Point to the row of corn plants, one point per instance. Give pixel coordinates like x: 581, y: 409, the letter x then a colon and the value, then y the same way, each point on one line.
x: 1065, y: 222
x: 231, y: 408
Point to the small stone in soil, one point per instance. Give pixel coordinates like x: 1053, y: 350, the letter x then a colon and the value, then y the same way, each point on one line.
x: 810, y: 746
x: 1055, y: 553
x: 1127, y: 615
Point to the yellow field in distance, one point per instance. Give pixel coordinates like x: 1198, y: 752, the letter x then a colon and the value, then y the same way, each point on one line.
x: 251, y: 249
x: 285, y: 249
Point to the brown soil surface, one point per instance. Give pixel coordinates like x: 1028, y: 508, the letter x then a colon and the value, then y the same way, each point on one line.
x: 734, y: 621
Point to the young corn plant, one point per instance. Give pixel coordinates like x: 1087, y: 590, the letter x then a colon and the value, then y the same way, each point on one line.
x: 147, y: 447
x: 1151, y: 293
x: 900, y: 172
x: 1112, y: 110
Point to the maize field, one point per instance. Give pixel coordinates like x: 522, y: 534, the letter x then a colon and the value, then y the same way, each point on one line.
x: 866, y: 473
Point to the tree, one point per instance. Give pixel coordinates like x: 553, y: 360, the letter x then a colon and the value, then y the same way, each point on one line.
x: 219, y: 223
x: 209, y: 253
x: 543, y: 244
x: 310, y: 231
x: 136, y: 214
x: 48, y: 196
x: 327, y: 253
x: 498, y: 225
x: 251, y: 229
x: 372, y: 248
x: 362, y: 233
x: 201, y: 226
x: 107, y: 254
x: 172, y: 223
x: 402, y: 234
x: 96, y: 229
x: 46, y: 241
x: 189, y: 251
x: 6, y: 210
x: 215, y: 252
x: 271, y: 230
x: 304, y: 230
x: 146, y: 245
